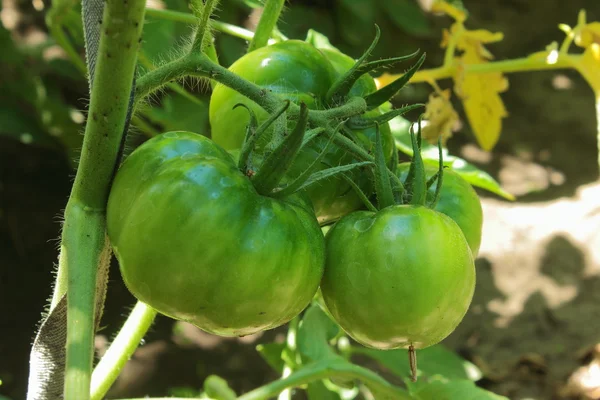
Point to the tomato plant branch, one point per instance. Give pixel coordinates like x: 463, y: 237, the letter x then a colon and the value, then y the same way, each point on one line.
x: 187, y: 18
x: 508, y: 66
x: 266, y: 25
x: 121, y: 349
x: 203, y: 34
x: 84, y: 241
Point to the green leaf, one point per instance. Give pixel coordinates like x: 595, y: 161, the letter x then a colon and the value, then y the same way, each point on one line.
x: 476, y: 177
x: 314, y: 333
x: 272, y: 354
x: 407, y: 15
x: 452, y: 390
x: 217, y: 388
x: 178, y: 113
x: 434, y: 361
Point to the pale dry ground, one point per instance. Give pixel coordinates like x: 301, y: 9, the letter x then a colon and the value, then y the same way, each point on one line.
x: 535, y: 318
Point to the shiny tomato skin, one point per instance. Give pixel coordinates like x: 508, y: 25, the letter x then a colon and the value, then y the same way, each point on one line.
x: 196, y: 241
x: 399, y: 277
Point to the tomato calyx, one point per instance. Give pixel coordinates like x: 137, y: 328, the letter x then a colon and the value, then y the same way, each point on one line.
x: 267, y: 178
x: 340, y: 89
x: 389, y: 190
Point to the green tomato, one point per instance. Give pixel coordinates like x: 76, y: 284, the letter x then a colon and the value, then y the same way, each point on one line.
x: 196, y: 242
x: 458, y: 200
x: 298, y: 71
x: 401, y: 276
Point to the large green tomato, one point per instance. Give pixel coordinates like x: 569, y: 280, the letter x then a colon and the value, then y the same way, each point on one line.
x: 196, y: 242
x: 458, y: 200
x: 401, y: 276
x: 298, y: 71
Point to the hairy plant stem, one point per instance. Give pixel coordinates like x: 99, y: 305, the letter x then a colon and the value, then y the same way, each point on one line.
x: 199, y: 65
x: 121, y: 349
x: 84, y: 242
x: 266, y: 25
x: 187, y: 18
x: 203, y: 34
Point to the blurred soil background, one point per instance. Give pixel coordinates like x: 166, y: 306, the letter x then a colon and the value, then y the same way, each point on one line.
x: 535, y: 320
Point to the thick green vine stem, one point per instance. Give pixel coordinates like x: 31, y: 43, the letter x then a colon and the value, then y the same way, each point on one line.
x: 266, y: 25
x: 121, y: 349
x: 83, y: 238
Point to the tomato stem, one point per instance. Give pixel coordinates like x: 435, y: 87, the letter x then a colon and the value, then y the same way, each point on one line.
x: 267, y: 24
x: 412, y: 361
x: 84, y: 244
x: 121, y: 349
x: 203, y: 35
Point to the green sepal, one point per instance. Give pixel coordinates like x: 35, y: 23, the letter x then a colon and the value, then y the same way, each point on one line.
x: 277, y: 163
x: 440, y: 176
x: 360, y: 193
x: 342, y: 86
x: 297, y: 183
x: 384, y: 94
x: 253, y: 133
x: 310, y: 135
x: 418, y: 184
x: 383, y: 186
x: 363, y: 123
x: 331, y: 172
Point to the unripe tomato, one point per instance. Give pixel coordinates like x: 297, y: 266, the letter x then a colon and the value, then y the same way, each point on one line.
x: 458, y: 200
x: 298, y: 71
x: 401, y: 276
x: 196, y: 241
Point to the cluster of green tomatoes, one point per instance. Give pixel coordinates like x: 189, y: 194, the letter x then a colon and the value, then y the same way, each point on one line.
x: 226, y: 233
